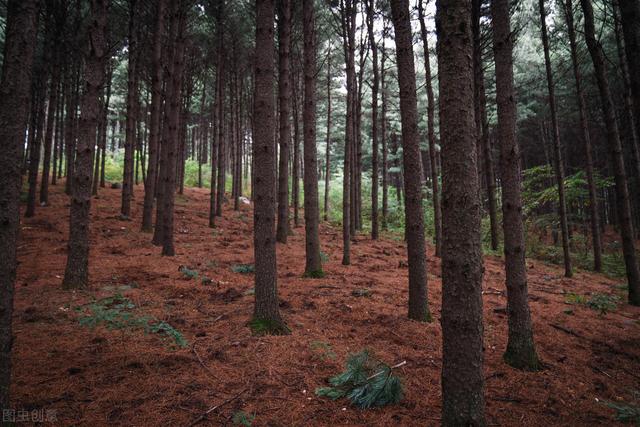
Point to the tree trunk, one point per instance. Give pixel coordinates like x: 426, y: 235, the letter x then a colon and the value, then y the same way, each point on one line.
x: 462, y: 269
x: 15, y: 92
x: 383, y: 137
x: 51, y: 115
x: 615, y: 151
x: 313, y: 266
x: 521, y: 352
x: 154, y: 119
x: 35, y: 138
x: 482, y: 124
x: 266, y: 315
x: 347, y: 15
x: 327, y: 173
x: 559, y: 172
x: 414, y: 216
x: 374, y: 122
x: 76, y: 273
x: 284, y: 93
x: 584, y: 126
x: 630, y: 14
x: 435, y: 185
x: 171, y: 132
x: 132, y: 95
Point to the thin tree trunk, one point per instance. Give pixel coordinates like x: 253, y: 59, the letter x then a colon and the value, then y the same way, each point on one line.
x: 482, y: 124
x: 51, y: 115
x: 132, y: 101
x: 462, y: 267
x: 584, y: 126
x: 414, y: 215
x: 76, y: 273
x: 15, y: 92
x: 630, y: 14
x: 615, y: 151
x: 374, y: 121
x: 284, y: 93
x: 435, y: 185
x: 37, y: 122
x: 521, y: 351
x: 327, y: 173
x: 559, y: 172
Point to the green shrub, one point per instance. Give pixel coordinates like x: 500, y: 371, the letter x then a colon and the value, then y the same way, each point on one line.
x: 243, y: 268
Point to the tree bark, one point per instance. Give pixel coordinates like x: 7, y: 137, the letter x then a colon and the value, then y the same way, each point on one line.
x: 154, y: 119
x: 414, y: 215
x: 630, y: 14
x: 327, y: 173
x: 284, y: 93
x: 266, y: 313
x: 313, y: 266
x: 584, y: 127
x: 132, y: 95
x: 76, y: 273
x: 521, y: 352
x: 462, y: 269
x: 558, y: 166
x: 374, y: 121
x: 435, y: 185
x: 15, y: 92
x: 615, y: 151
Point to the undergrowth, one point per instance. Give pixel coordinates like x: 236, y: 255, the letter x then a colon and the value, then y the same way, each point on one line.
x: 116, y: 312
x: 243, y: 268
x: 366, y: 382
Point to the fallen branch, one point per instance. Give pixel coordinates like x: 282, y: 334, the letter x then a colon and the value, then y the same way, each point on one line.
x: 611, y: 348
x: 213, y: 408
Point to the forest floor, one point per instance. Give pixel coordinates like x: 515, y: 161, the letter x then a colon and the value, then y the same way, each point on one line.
x: 126, y: 376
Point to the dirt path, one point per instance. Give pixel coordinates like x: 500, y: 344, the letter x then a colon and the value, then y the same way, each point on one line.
x: 129, y: 377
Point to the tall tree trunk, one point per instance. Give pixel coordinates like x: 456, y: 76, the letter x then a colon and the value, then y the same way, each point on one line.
x: 313, y: 266
x: 414, y: 216
x: 51, y: 115
x: 584, y: 127
x: 171, y: 132
x: 132, y: 101
x: 374, y: 121
x: 347, y: 15
x: 284, y: 93
x: 327, y: 173
x: 615, y: 151
x: 630, y: 14
x: 482, y: 124
x: 76, y: 273
x: 559, y: 172
x: 15, y: 92
x: 435, y: 185
x: 266, y: 315
x: 521, y: 351
x: 462, y: 269
x: 383, y: 137
x: 295, y: 173
x: 35, y: 138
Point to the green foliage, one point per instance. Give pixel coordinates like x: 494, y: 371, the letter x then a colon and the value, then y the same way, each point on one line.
x: 206, y: 281
x: 243, y: 268
x: 322, y: 350
x: 115, y: 312
x: 603, y: 303
x: 572, y: 298
x: 366, y: 382
x: 324, y: 257
x: 242, y: 418
x: 625, y: 412
x: 188, y: 273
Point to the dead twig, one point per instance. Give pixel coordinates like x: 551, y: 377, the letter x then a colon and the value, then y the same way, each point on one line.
x: 216, y: 407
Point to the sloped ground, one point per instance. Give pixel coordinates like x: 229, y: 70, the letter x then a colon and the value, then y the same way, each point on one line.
x: 129, y: 377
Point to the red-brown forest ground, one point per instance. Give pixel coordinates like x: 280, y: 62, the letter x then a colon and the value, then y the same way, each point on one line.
x: 126, y: 377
